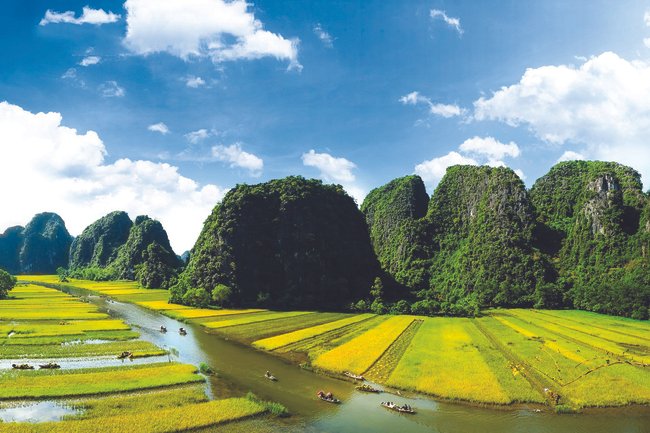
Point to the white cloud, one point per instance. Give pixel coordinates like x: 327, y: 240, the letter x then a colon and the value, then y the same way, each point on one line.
x: 159, y: 127
x: 570, y: 155
x: 64, y: 171
x: 603, y: 105
x: 490, y: 147
x: 110, y: 89
x: 324, y: 37
x: 197, y: 136
x: 433, y: 170
x: 234, y: 155
x: 194, y: 82
x: 90, y: 60
x: 335, y: 170
x: 216, y: 29
x: 88, y: 16
x: 443, y: 110
x: 646, y: 42
x: 646, y: 18
x: 451, y: 21
x: 520, y: 173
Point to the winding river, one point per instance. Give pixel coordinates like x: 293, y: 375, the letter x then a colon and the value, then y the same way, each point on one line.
x: 240, y: 369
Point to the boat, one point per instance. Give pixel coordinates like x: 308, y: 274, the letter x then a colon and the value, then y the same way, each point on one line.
x: 124, y: 355
x: 405, y: 408
x: 22, y: 366
x: 329, y: 398
x: 368, y: 388
x: 49, y: 365
x: 354, y: 376
x: 163, y: 329
x: 270, y: 377
x: 182, y: 331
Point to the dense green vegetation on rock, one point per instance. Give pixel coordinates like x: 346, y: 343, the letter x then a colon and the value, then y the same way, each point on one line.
x: 7, y: 282
x: 98, y: 244
x: 10, y: 242
x: 287, y: 243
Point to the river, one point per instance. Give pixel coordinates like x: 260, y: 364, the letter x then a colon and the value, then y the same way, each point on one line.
x: 240, y: 369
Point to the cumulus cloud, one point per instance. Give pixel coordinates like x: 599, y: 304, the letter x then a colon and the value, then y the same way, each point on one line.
x: 433, y: 170
x: 603, y: 105
x: 490, y: 147
x: 335, y: 170
x: 110, y: 89
x: 451, y: 21
x: 159, y: 127
x: 197, y: 136
x: 443, y: 110
x: 324, y: 37
x: 236, y: 157
x: 646, y: 18
x: 88, y: 16
x: 194, y: 82
x: 218, y: 29
x: 63, y: 170
x: 570, y: 155
x: 90, y: 60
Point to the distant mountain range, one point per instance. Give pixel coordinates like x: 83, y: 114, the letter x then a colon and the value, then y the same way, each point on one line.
x: 579, y: 238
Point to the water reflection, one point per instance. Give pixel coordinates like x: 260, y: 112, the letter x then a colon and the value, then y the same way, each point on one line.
x: 35, y: 411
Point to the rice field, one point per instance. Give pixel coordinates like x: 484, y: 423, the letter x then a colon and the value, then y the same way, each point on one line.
x: 559, y: 358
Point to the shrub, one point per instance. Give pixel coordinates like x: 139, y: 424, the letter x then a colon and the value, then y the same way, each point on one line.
x: 7, y: 282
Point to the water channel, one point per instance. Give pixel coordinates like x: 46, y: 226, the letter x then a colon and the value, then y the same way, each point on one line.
x: 240, y: 369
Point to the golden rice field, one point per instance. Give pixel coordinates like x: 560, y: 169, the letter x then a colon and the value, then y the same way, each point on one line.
x: 39, y: 322
x: 505, y: 357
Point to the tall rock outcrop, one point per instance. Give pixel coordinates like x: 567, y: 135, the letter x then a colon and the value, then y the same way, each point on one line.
x: 287, y: 243
x: 394, y: 214
x: 10, y: 242
x: 98, y: 244
x: 46, y: 245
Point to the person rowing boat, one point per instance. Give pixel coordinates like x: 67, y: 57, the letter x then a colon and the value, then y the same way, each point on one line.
x: 354, y: 376
x: 269, y: 376
x: 405, y: 408
x: 49, y: 365
x: 22, y: 367
x: 368, y: 388
x: 163, y: 329
x: 328, y: 397
x: 182, y: 331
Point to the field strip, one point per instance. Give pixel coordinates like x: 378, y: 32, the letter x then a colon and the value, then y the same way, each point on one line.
x: 538, y: 380
x: 252, y: 318
x: 381, y: 370
x: 200, y: 313
x: 283, y: 340
x: 645, y: 336
x: 358, y: 354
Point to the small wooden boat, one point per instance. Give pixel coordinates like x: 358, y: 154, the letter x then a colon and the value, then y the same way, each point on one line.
x: 329, y: 398
x: 163, y: 329
x: 182, y: 331
x: 368, y: 388
x: 125, y: 355
x: 270, y: 377
x: 22, y: 367
x: 49, y: 365
x: 397, y: 408
x: 354, y: 376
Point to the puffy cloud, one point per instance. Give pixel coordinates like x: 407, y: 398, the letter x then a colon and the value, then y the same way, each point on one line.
x: 88, y: 16
x: 159, y: 127
x: 194, y: 82
x: 216, y: 29
x: 646, y: 18
x: 444, y: 110
x: 570, y: 155
x: 335, y: 170
x: 604, y: 104
x: 433, y: 170
x: 324, y: 37
x: 646, y: 42
x: 234, y: 155
x: 452, y: 22
x: 51, y: 167
x: 110, y: 89
x: 197, y: 136
x: 490, y: 147
x: 90, y: 60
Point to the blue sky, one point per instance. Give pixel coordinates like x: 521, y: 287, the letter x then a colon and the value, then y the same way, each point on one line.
x: 159, y: 107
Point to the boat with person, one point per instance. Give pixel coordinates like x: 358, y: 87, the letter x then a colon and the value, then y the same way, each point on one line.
x: 353, y: 376
x: 182, y: 331
x: 404, y: 408
x: 22, y: 367
x: 368, y: 388
x: 125, y: 355
x: 49, y: 366
x: 163, y: 329
x: 270, y: 377
x: 328, y: 397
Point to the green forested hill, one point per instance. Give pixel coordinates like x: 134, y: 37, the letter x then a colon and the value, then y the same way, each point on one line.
x: 98, y: 244
x: 287, y: 243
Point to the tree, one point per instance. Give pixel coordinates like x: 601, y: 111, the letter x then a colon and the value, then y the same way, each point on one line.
x: 7, y: 282
x: 197, y: 297
x: 221, y: 294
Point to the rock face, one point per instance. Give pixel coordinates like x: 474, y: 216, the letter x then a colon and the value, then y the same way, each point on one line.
x: 10, y: 242
x: 287, y: 243
x: 482, y: 224
x: 393, y: 213
x: 46, y: 245
x: 146, y: 250
x: 98, y: 244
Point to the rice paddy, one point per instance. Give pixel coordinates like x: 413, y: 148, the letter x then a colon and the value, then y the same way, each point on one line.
x: 568, y: 359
